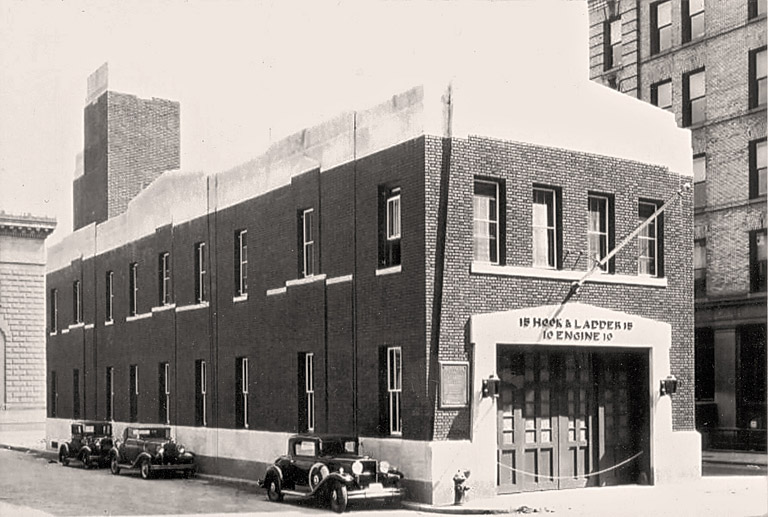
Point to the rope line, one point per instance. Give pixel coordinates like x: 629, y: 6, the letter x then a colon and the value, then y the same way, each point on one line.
x: 571, y: 477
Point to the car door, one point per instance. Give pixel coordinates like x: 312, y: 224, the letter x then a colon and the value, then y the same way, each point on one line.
x: 304, y: 455
x: 132, y: 445
x: 77, y: 439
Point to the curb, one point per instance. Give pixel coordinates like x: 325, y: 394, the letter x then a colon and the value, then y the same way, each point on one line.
x: 453, y: 510
x: 230, y: 481
x: 44, y: 453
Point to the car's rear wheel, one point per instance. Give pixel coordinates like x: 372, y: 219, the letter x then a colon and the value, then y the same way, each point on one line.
x: 274, y: 493
x: 114, y: 465
x: 339, y: 497
x: 63, y: 457
x: 145, y: 469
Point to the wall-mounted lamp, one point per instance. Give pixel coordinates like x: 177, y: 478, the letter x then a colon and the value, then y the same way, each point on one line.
x: 668, y: 385
x: 491, y: 386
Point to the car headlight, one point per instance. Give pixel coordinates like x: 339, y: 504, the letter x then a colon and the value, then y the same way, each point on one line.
x: 160, y: 451
x: 357, y: 468
x: 384, y: 467
x: 180, y: 449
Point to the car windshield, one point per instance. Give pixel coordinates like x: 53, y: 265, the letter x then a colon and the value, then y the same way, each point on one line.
x: 98, y: 429
x: 161, y: 432
x: 333, y: 447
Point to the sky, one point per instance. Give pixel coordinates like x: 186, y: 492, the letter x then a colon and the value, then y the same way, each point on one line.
x: 245, y: 73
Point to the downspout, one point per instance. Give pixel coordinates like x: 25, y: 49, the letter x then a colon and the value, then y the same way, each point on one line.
x: 355, y: 428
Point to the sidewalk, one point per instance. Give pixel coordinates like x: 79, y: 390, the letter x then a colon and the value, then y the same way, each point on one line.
x: 735, y: 457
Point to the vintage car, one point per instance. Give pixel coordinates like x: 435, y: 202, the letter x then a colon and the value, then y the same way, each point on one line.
x: 150, y: 449
x: 332, y: 469
x: 89, y: 444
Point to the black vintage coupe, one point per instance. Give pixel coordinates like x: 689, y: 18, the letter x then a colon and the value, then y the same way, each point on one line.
x: 90, y: 443
x: 150, y: 449
x: 331, y: 469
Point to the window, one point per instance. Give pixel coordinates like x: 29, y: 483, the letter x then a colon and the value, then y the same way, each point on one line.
x: 693, y: 20
x: 661, y: 94
x: 164, y: 278
x: 599, y: 230
x: 705, y: 364
x: 661, y: 26
x: 307, y: 390
x: 389, y: 227
x: 757, y: 8
x: 485, y: 209
x: 201, y: 388
x: 751, y: 379
x: 133, y: 288
x: 545, y: 228
x: 200, y: 296
x: 694, y: 102
x: 612, y: 40
x: 307, y: 243
x: 757, y: 78
x: 54, y: 311
x: 241, y: 392
x: 109, y: 295
x: 649, y: 240
x: 77, y: 303
x: 699, y: 180
x: 134, y: 393
x: 757, y: 260
x: 699, y: 268
x: 76, y: 394
x: 758, y: 159
x: 110, y: 393
x: 241, y: 262
x: 164, y: 393
x: 395, y: 388
x: 53, y: 395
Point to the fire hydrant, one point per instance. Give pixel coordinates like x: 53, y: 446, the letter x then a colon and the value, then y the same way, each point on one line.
x: 459, y: 489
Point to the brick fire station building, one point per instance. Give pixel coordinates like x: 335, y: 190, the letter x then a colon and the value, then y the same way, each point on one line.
x: 369, y: 275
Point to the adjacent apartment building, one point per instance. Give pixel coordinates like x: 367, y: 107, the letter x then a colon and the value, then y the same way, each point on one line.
x: 705, y: 62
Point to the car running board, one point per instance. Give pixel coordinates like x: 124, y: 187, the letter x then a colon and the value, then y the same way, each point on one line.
x: 296, y: 493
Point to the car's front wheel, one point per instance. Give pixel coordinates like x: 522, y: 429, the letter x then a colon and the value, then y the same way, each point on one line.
x: 145, y: 469
x: 339, y: 497
x: 86, y: 460
x: 114, y: 465
x: 63, y: 457
x: 274, y: 493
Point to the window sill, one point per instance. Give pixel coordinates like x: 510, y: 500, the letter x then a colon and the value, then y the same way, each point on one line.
x: 194, y: 306
x: 76, y: 326
x: 109, y: 322
x: 137, y: 317
x: 240, y: 298
x: 339, y: 279
x: 65, y: 331
x: 53, y: 333
x: 278, y: 290
x: 89, y: 326
x: 569, y: 275
x: 389, y: 270
x: 305, y: 280
x: 166, y: 307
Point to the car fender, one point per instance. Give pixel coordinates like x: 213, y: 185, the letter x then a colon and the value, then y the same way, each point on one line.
x: 85, y: 449
x: 65, y: 448
x: 275, y: 470
x: 344, y: 479
x: 141, y: 457
x: 114, y: 451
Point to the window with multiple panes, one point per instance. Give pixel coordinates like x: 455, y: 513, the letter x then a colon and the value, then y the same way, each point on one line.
x: 612, y: 55
x: 53, y: 316
x: 757, y: 260
x: 599, y: 230
x: 307, y: 242
x: 758, y: 80
x: 704, y: 362
x: 306, y: 392
x: 201, y: 392
x: 545, y: 228
x: 758, y: 160
x: 649, y: 240
x: 241, y: 262
x: 389, y: 226
x: 661, y: 94
x: 699, y: 180
x: 695, y: 99
x: 757, y: 8
x: 77, y: 302
x: 395, y: 389
x: 164, y: 278
x: 486, y: 218
x: 200, y: 294
x: 76, y: 394
x: 241, y: 392
x: 134, y: 393
x: 700, y: 267
x: 164, y: 393
x: 109, y: 395
x: 694, y: 25
x: 109, y: 295
x: 53, y: 394
x: 661, y: 26
x: 133, y: 289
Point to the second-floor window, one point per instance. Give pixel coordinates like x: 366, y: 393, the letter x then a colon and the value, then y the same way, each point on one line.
x: 134, y: 393
x: 201, y: 393
x: 164, y: 278
x: 699, y: 180
x: 693, y: 20
x: 661, y: 26
x: 648, y: 259
x: 757, y: 260
x: 661, y: 94
x: 133, y: 288
x: 758, y: 158
x: 612, y: 43
x: 109, y: 295
x: 599, y: 230
x: 241, y: 392
x: 485, y: 209
x: 164, y: 393
x: 395, y: 389
x: 200, y: 294
x: 54, y: 311
x: 241, y: 262
x: 307, y: 389
x: 389, y: 227
x: 700, y: 267
x: 694, y: 103
x: 758, y: 83
x: 307, y: 240
x: 77, y: 302
x: 545, y: 228
x: 109, y: 398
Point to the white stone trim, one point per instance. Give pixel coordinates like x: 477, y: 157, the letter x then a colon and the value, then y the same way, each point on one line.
x: 52, y: 333
x: 389, y: 270
x: 483, y: 268
x: 88, y: 326
x: 107, y: 323
x: 65, y: 331
x: 305, y: 280
x: 338, y: 279
x: 136, y: 317
x: 277, y: 290
x: 76, y: 326
x: 166, y: 307
x: 194, y: 306
x: 241, y: 298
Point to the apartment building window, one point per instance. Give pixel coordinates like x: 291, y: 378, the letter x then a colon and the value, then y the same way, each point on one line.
x: 758, y: 159
x: 241, y: 392
x: 389, y: 227
x: 546, y: 241
x: 307, y: 243
x: 109, y: 295
x: 599, y: 230
x: 488, y: 211
x: 758, y: 86
x: 650, y: 240
x: 134, y: 393
x: 133, y: 288
x: 661, y: 26
x: 699, y: 180
x: 306, y: 391
x: 164, y: 393
x: 164, y: 278
x: 200, y: 295
x: 77, y: 302
x: 704, y: 362
x: 241, y: 262
x: 394, y: 389
x: 110, y: 393
x: 201, y: 392
x: 693, y: 20
x: 54, y: 311
x: 757, y: 8
x: 699, y: 268
x: 53, y: 395
x: 76, y: 394
x: 612, y: 38
x: 694, y: 102
x: 757, y: 260
x: 661, y: 94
